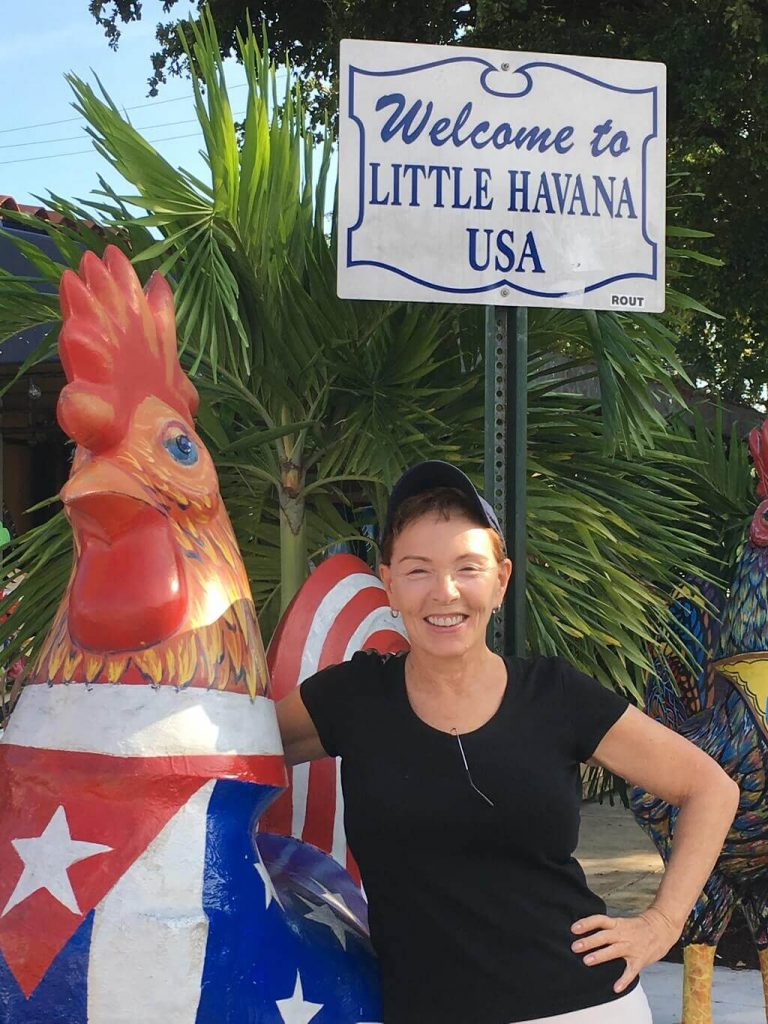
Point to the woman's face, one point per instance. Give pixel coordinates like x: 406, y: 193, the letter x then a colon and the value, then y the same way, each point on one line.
x: 445, y: 581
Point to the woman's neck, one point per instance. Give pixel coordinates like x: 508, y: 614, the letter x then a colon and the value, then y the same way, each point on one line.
x: 454, y: 675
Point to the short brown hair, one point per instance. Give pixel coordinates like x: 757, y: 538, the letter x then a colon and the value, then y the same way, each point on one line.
x: 443, y: 502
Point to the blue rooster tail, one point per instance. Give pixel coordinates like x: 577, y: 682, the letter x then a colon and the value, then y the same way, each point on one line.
x: 680, y: 688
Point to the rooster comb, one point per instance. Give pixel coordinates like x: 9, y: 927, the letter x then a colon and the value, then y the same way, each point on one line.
x: 758, y: 446
x: 117, y: 346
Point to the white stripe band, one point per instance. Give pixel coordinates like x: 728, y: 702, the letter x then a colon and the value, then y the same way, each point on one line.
x: 379, y: 620
x: 150, y: 931
x: 299, y: 792
x: 133, y: 720
x: 334, y: 601
x: 339, y: 844
x: 340, y: 595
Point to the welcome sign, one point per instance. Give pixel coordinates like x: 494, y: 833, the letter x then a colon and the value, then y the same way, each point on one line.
x: 492, y: 177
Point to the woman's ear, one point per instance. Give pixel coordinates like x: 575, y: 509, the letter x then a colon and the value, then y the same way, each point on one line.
x: 385, y: 574
x: 505, y: 575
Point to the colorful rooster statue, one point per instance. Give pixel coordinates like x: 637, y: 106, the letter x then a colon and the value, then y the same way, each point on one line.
x: 144, y: 747
x: 722, y: 707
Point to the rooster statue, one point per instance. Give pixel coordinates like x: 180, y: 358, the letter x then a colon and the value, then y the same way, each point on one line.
x: 144, y: 746
x: 721, y: 705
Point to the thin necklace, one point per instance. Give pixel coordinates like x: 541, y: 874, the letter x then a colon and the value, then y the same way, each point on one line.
x: 479, y: 791
x: 454, y: 732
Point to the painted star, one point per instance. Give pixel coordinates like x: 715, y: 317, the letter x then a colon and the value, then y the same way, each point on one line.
x: 325, y: 916
x: 47, y: 859
x: 339, y: 904
x: 297, y: 1010
x: 270, y: 893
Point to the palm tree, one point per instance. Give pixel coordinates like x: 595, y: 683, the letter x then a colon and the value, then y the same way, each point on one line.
x: 312, y: 405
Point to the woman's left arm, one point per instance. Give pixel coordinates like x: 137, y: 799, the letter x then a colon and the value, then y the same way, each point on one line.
x: 653, y: 757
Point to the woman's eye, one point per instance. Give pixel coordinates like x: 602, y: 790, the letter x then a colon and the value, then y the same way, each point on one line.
x: 183, y: 449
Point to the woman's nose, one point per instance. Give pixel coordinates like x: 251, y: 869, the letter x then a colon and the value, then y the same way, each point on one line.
x: 446, y: 586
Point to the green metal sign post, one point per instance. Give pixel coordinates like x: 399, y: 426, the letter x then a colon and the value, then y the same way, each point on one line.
x: 506, y: 443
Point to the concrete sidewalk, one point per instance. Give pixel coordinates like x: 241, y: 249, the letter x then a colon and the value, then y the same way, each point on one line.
x: 620, y: 861
x: 737, y: 996
x: 623, y: 867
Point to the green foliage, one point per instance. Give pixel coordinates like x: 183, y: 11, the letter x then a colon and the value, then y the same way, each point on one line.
x: 717, y: 74
x: 38, y: 565
x: 722, y: 482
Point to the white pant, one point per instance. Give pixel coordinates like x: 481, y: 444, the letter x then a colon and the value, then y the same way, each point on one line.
x: 632, y: 1008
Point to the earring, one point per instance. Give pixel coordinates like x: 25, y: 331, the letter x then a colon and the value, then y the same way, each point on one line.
x: 496, y: 610
x: 394, y: 613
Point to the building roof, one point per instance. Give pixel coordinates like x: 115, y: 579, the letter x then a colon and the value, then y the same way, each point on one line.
x: 40, y: 212
x: 19, y: 347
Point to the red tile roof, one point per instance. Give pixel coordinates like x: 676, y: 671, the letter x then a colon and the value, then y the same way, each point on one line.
x: 40, y: 212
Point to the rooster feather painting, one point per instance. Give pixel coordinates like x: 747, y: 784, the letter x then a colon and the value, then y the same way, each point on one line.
x: 144, y: 746
x: 720, y: 702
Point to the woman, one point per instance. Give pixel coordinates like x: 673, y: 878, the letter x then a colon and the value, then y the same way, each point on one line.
x: 461, y: 783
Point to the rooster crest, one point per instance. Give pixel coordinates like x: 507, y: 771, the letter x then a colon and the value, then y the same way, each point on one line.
x: 158, y: 591
x: 117, y: 346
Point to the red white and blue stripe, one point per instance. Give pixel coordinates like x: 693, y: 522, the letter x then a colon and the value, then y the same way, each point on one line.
x: 341, y: 609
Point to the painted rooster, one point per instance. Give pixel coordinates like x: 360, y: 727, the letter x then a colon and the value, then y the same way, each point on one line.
x: 144, y: 747
x: 158, y: 573
x: 722, y: 707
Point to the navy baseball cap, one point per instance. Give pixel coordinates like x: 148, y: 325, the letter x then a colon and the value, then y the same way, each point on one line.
x: 426, y: 476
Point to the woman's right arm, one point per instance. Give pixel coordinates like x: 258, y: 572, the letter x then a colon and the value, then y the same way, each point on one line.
x: 297, y: 730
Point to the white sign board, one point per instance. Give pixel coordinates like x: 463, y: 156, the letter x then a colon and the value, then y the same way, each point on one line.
x: 501, y: 178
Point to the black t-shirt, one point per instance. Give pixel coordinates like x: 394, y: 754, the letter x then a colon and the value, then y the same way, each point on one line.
x: 470, y: 905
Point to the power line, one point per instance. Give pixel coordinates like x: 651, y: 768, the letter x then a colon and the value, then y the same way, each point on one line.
x: 139, y: 106
x: 75, y: 138
x: 80, y: 152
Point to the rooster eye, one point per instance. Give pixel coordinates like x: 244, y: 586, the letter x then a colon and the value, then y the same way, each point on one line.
x: 183, y: 449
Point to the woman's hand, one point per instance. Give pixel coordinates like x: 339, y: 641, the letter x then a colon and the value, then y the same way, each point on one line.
x: 640, y: 940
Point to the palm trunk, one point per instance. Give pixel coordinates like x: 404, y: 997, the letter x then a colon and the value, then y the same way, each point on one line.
x: 293, y: 533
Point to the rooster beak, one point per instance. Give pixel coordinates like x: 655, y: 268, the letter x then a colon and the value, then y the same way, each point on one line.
x: 101, y: 476
x: 103, y: 498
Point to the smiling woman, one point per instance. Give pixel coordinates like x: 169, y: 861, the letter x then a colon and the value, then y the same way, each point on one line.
x: 460, y: 772
x: 447, y: 575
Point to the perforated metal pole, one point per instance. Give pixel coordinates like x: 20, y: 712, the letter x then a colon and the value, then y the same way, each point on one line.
x: 506, y: 441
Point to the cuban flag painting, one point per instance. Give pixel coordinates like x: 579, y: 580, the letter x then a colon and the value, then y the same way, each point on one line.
x: 131, y: 888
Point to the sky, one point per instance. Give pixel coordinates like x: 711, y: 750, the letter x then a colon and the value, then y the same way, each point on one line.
x: 43, y: 145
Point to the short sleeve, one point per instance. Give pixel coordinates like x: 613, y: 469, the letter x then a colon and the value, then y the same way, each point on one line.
x: 590, y: 710
x: 326, y: 696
